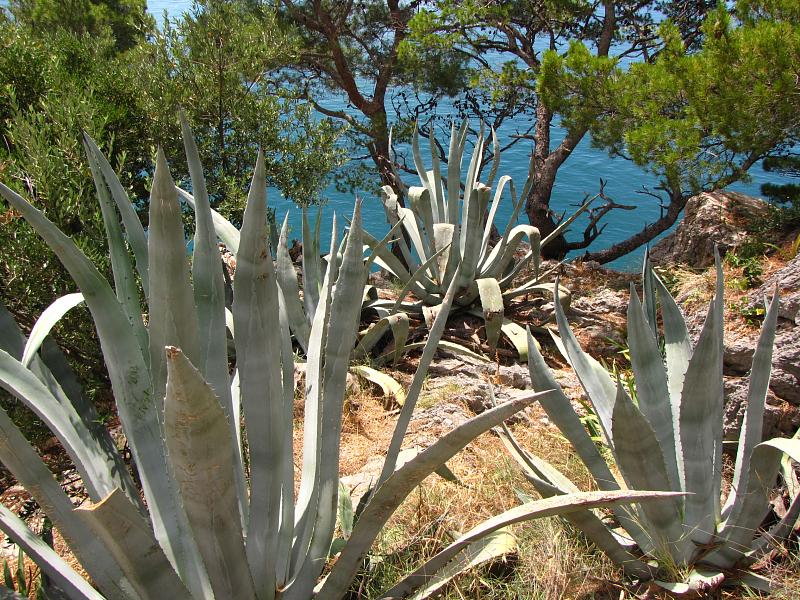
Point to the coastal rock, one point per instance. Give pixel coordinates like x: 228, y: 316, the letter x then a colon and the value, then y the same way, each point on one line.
x: 788, y: 281
x: 710, y: 218
x: 779, y: 417
x: 785, y: 382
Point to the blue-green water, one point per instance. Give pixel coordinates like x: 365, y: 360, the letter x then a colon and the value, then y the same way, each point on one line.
x: 579, y: 176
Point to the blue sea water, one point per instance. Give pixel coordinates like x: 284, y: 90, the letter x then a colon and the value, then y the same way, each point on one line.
x: 578, y: 177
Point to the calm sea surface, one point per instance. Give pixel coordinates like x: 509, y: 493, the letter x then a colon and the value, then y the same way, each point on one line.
x: 579, y: 176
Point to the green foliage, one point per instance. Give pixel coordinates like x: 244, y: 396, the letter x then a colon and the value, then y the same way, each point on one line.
x: 669, y: 437
x: 126, y: 21
x: 221, y: 63
x: 690, y: 118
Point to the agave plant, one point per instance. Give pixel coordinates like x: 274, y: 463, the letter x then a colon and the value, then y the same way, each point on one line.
x: 670, y: 438
x: 204, y: 528
x: 447, y: 227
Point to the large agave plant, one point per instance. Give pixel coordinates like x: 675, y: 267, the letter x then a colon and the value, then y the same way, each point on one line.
x: 669, y: 437
x: 208, y: 527
x: 447, y: 227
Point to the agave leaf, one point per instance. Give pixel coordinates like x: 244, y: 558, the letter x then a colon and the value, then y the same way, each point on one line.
x: 436, y: 331
x: 449, y: 258
x: 287, y: 280
x: 98, y: 467
x: 421, y: 274
x: 225, y: 230
x: 127, y: 537
x: 677, y: 349
x: 498, y: 194
x: 208, y: 283
x: 699, y: 581
x: 701, y: 426
x: 518, y: 337
x: 752, y: 424
x: 51, y: 564
x: 468, y: 206
x: 133, y: 226
x: 200, y: 453
x: 559, y: 409
x: 172, y: 312
x: 124, y: 279
x: 389, y: 494
x: 131, y: 384
x: 501, y: 256
x: 456, y: 150
x: 346, y: 518
x: 392, y: 208
x: 649, y: 293
x: 435, y: 178
x: 399, y: 325
x: 23, y: 461
x: 312, y: 264
x: 549, y: 482
x: 492, y: 305
x: 492, y: 546
x: 391, y: 388
x: 420, y: 200
x: 641, y: 462
x: 754, y: 505
x: 255, y: 310
x: 470, y: 238
x: 344, y: 317
x: 651, y: 385
x: 307, y: 497
x: 593, y: 377
x: 547, y: 507
x: 45, y: 323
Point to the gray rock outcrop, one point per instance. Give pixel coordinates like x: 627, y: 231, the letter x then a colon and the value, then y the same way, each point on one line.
x: 710, y: 218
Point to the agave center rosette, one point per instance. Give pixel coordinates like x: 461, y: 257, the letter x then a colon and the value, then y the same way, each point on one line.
x: 450, y: 220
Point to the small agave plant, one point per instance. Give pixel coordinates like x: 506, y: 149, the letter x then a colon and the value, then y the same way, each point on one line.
x: 447, y: 227
x: 670, y: 437
x: 199, y: 524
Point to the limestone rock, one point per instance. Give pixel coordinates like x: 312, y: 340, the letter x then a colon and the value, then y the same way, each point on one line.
x: 788, y: 281
x: 780, y: 418
x: 710, y: 218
